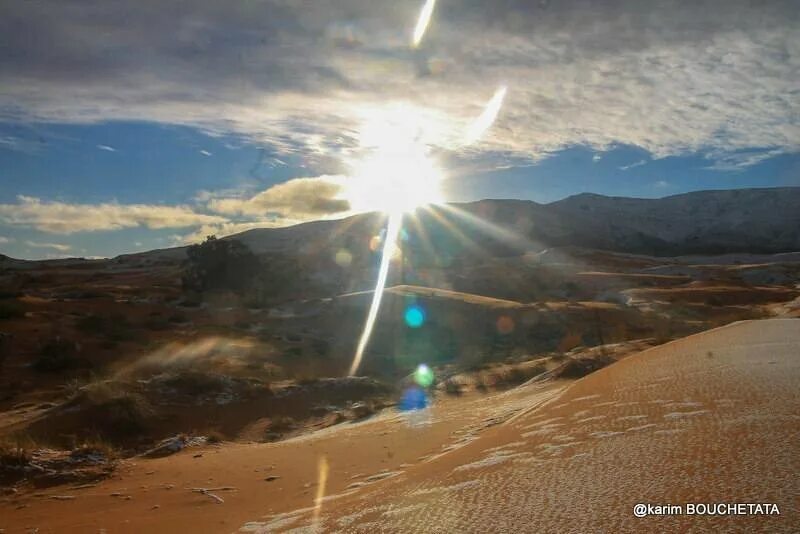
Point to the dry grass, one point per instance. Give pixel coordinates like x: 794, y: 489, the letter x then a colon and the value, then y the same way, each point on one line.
x: 214, y: 436
x: 13, y: 454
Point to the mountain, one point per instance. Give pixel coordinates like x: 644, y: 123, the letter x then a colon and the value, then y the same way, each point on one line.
x: 703, y: 222
x: 762, y: 221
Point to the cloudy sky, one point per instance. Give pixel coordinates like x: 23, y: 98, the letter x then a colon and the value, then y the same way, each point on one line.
x: 131, y: 125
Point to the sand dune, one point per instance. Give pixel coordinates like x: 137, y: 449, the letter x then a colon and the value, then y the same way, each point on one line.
x: 713, y: 418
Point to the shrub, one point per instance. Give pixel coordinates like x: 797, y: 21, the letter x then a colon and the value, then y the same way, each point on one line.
x: 281, y: 423
x: 219, y: 265
x: 112, y: 410
x: 58, y: 355
x: 178, y: 317
x: 11, y: 310
x: 94, y: 447
x: 156, y: 323
x: 214, y: 436
x: 14, y: 455
x: 452, y: 387
x: 192, y: 383
x: 580, y: 367
x: 114, y: 327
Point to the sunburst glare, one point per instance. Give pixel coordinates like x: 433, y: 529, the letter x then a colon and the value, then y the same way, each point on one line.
x: 397, y: 174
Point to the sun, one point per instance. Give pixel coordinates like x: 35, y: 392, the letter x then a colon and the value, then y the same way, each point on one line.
x: 396, y: 173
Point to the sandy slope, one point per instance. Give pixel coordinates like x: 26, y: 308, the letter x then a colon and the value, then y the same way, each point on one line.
x: 153, y: 495
x: 713, y: 417
x: 710, y: 418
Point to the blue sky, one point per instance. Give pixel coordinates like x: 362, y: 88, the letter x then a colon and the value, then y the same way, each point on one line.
x: 124, y: 129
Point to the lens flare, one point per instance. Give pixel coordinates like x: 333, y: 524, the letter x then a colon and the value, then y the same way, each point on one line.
x: 423, y: 376
x: 487, y: 118
x: 390, y: 241
x: 414, y: 316
x: 422, y: 22
x: 321, y: 483
x: 413, y: 399
x: 398, y: 177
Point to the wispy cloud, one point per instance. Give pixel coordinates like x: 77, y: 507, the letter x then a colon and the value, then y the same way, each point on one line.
x: 670, y: 77
x: 633, y: 165
x: 740, y: 160
x: 5, y: 240
x: 65, y: 218
x: 106, y: 148
x: 55, y: 246
x: 18, y: 144
x: 205, y: 153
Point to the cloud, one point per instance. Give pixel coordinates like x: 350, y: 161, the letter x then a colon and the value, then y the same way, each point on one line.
x: 5, y: 240
x: 300, y: 198
x: 633, y: 165
x: 739, y: 160
x: 56, y: 246
x: 232, y: 211
x: 671, y: 77
x: 107, y: 148
x: 205, y: 153
x: 65, y: 218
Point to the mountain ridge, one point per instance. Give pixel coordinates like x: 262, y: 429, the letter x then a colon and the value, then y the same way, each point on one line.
x: 757, y: 220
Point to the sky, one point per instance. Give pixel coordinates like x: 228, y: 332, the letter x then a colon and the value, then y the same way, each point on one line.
x: 133, y: 125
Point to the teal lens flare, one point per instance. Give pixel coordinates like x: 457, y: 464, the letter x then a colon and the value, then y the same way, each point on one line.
x: 414, y: 316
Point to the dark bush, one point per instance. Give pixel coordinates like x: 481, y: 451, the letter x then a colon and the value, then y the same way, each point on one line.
x: 219, y: 265
x: 281, y: 424
x: 452, y: 387
x: 11, y: 310
x: 113, y: 327
x: 580, y: 367
x: 113, y: 411
x: 215, y: 436
x: 58, y: 355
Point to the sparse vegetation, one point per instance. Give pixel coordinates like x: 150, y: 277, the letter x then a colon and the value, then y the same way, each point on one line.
x: 219, y: 265
x: 13, y: 455
x: 214, y: 436
x: 580, y: 367
x: 115, y: 327
x: 96, y: 447
x: 57, y: 355
x: 452, y: 387
x: 11, y: 309
x: 112, y: 411
x: 281, y: 424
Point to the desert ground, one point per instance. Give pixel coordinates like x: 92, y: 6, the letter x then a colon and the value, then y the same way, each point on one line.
x: 709, y: 418
x: 532, y: 386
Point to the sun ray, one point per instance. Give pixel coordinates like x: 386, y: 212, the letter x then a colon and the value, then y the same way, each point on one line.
x: 514, y: 239
x: 422, y: 232
x: 461, y: 236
